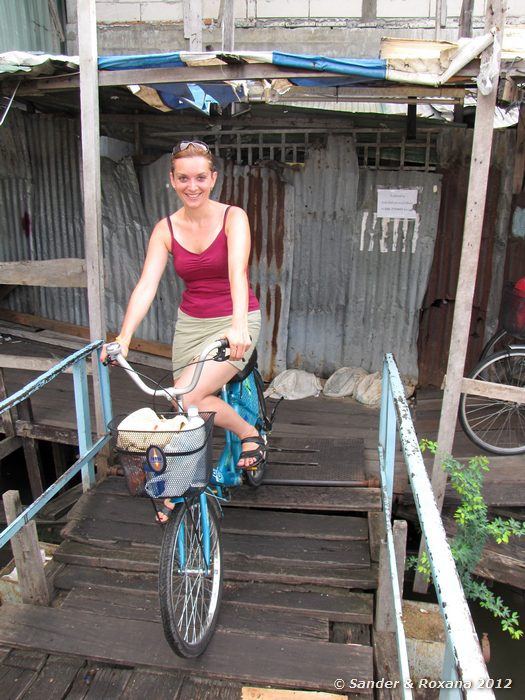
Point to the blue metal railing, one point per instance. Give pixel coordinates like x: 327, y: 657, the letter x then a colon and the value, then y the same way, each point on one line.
x: 87, y: 450
x: 463, y: 663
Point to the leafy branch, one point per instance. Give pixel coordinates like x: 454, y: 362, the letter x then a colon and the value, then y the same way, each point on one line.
x: 473, y: 530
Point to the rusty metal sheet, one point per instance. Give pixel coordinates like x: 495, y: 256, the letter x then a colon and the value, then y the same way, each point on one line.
x: 438, y: 305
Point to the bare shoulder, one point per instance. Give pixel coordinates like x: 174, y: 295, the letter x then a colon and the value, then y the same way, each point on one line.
x: 161, y: 234
x: 236, y: 217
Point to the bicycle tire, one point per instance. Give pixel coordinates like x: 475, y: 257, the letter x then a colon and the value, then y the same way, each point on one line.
x: 501, y: 340
x: 190, y: 593
x: 496, y: 425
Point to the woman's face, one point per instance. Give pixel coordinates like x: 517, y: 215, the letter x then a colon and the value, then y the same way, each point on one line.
x: 193, y: 180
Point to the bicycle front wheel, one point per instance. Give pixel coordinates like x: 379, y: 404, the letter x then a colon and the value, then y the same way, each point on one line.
x: 190, y: 577
x: 496, y: 425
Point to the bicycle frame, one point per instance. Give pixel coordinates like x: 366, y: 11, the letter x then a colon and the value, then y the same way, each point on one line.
x: 192, y: 533
x: 205, y: 525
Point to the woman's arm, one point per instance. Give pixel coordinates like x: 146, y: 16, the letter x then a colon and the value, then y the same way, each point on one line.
x: 146, y: 288
x: 239, y: 242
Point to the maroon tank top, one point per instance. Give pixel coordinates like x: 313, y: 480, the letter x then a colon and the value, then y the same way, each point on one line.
x: 207, y: 292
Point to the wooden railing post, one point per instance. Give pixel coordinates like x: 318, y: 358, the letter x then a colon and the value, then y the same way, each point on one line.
x: 384, y: 621
x: 26, y: 552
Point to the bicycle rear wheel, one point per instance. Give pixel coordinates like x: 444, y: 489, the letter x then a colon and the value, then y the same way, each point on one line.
x: 496, y: 425
x: 500, y: 341
x: 190, y: 587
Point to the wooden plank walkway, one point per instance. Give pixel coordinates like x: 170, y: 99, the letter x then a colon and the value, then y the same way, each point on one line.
x: 279, y: 631
x: 298, y: 599
x: 300, y: 569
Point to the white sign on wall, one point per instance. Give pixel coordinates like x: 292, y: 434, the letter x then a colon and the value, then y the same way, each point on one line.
x: 397, y: 204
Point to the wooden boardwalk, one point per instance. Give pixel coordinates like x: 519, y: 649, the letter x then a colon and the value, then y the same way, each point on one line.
x: 300, y: 579
x: 300, y: 567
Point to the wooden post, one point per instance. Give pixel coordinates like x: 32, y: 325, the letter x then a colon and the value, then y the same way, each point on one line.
x: 7, y: 416
x: 383, y: 620
x: 26, y: 552
x: 519, y: 162
x: 90, y: 131
x: 465, y: 18
x: 192, y: 13
x: 31, y: 452
x: 10, y: 443
x: 228, y: 25
x: 475, y: 208
x: 59, y: 458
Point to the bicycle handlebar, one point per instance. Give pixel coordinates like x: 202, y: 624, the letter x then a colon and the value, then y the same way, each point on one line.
x: 114, y: 355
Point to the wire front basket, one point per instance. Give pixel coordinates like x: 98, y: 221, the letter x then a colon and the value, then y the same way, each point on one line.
x: 513, y: 311
x: 165, y: 463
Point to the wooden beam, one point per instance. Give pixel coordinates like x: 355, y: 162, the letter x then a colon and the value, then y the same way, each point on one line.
x: 394, y: 94
x: 138, y: 344
x: 90, y: 136
x: 62, y: 272
x: 7, y: 416
x: 473, y: 226
x: 383, y: 619
x: 49, y: 433
x: 33, y: 364
x: 504, y: 392
x: 9, y: 445
x: 519, y: 157
x: 31, y: 452
x: 26, y: 552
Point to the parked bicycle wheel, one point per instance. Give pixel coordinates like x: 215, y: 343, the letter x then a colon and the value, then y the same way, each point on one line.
x: 496, y: 425
x: 190, y: 585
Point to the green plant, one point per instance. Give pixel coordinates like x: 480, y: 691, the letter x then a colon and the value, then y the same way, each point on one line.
x: 473, y: 530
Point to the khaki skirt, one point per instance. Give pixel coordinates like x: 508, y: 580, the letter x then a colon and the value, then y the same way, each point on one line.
x: 193, y: 334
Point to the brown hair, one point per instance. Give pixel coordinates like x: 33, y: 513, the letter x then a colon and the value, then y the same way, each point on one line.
x: 189, y: 149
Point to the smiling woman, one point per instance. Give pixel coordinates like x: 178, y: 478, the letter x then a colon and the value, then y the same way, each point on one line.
x: 210, y: 244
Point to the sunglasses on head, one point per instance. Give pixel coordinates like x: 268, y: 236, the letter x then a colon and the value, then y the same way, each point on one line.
x: 198, y: 145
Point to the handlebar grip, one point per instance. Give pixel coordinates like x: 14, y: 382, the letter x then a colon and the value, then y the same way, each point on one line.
x: 112, y: 352
x: 224, y: 343
x: 113, y: 348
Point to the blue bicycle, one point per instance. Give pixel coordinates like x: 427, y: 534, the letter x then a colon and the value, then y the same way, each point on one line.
x: 178, y: 464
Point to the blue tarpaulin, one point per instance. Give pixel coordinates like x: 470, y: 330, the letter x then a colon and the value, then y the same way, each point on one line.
x: 202, y: 95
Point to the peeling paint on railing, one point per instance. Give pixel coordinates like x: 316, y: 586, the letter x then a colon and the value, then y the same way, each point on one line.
x: 464, y: 662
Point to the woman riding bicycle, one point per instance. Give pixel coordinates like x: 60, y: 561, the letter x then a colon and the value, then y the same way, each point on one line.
x: 210, y: 244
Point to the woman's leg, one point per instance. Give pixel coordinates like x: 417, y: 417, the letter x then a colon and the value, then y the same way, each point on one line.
x: 214, y: 376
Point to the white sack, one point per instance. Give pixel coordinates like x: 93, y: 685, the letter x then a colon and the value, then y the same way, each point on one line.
x: 368, y: 390
x: 344, y: 381
x: 294, y: 384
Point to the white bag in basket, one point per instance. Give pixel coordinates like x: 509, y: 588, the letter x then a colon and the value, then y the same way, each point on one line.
x: 139, y: 425
x: 143, y: 419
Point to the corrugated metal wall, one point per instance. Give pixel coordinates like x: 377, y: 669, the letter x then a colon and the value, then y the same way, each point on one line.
x: 26, y: 25
x: 358, y: 280
x: 16, y: 202
x: 42, y: 215
x: 438, y: 305
x: 262, y: 192
x: 338, y: 286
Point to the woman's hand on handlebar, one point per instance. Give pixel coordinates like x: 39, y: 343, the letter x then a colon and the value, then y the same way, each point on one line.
x: 239, y: 341
x: 124, y: 349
